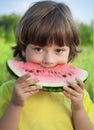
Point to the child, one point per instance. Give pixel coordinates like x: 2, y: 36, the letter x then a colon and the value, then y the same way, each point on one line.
x: 46, y: 35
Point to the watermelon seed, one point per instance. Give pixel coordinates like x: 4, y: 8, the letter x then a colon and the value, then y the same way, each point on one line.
x: 69, y: 74
x: 26, y: 70
x: 37, y: 71
x: 31, y: 71
x: 55, y: 72
x: 64, y: 76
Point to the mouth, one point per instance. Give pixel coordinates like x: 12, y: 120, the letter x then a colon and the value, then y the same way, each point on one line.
x: 48, y: 65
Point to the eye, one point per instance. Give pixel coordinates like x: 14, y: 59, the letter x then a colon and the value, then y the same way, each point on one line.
x: 37, y: 49
x: 59, y: 51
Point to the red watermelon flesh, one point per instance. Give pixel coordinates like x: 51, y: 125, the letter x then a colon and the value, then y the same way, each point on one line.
x: 57, y: 76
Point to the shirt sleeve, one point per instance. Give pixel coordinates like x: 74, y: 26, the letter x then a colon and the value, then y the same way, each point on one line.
x: 89, y: 106
x: 5, y: 95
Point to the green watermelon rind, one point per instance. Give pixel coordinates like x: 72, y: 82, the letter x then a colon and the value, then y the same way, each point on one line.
x: 52, y: 89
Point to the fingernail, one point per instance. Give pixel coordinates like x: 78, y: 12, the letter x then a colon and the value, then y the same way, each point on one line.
x: 68, y: 81
x: 65, y: 87
x: 39, y: 86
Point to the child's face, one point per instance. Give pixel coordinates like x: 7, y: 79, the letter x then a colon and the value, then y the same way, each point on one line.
x: 47, y: 56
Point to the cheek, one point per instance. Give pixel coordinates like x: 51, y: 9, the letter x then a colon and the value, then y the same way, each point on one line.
x: 32, y: 58
x: 67, y: 55
x: 65, y: 58
x: 28, y: 55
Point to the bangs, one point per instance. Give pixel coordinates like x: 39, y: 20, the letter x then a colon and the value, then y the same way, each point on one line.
x: 47, y: 30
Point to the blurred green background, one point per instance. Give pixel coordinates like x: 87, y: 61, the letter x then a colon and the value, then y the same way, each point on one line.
x: 84, y: 60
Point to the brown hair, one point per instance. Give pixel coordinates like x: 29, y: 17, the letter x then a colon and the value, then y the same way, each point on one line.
x: 46, y: 22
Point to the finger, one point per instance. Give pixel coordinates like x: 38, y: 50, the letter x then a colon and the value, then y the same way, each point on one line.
x: 33, y: 88
x: 33, y: 92
x: 80, y: 83
x: 31, y: 81
x: 75, y: 86
x: 24, y: 78
x: 66, y: 94
x: 70, y: 91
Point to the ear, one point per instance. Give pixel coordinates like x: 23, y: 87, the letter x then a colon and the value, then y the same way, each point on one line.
x: 23, y: 54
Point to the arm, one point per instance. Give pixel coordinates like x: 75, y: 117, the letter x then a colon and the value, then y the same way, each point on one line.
x: 79, y: 115
x: 10, y: 118
x: 81, y: 120
x: 22, y: 90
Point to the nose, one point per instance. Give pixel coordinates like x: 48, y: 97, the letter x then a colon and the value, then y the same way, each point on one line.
x: 48, y: 60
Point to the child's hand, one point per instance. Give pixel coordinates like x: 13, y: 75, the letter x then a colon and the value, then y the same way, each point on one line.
x: 23, y: 88
x: 76, y: 94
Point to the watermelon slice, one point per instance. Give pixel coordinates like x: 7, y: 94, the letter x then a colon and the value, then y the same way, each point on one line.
x: 52, y: 79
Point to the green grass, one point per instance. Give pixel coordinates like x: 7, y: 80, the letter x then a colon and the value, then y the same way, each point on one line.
x: 5, y: 53
x: 83, y: 60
